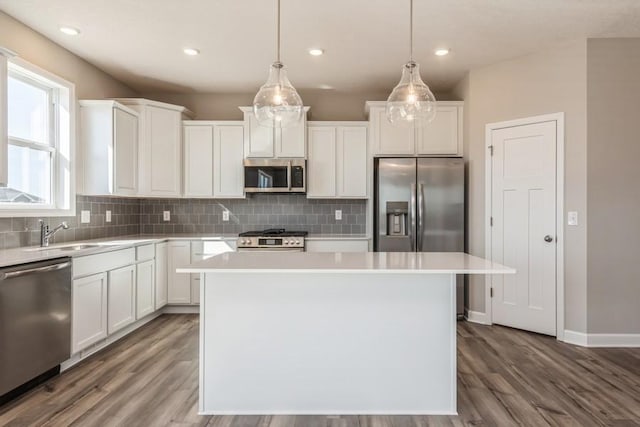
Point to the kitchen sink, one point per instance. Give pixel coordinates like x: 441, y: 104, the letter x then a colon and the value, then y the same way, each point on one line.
x: 76, y: 247
x: 69, y: 248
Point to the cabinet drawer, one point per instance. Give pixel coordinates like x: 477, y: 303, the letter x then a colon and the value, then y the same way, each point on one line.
x: 146, y: 252
x: 98, y: 263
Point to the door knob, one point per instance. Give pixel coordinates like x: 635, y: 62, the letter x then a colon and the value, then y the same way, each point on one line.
x: 548, y: 239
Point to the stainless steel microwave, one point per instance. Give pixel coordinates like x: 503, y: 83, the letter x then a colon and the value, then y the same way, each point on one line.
x: 275, y: 175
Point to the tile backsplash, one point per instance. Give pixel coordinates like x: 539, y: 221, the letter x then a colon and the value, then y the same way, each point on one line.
x: 145, y: 216
x: 256, y: 212
x: 125, y: 219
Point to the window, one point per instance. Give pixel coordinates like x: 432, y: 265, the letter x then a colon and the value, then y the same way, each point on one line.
x: 39, y: 146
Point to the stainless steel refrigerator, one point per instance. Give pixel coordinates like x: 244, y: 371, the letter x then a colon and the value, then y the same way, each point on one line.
x: 419, y: 207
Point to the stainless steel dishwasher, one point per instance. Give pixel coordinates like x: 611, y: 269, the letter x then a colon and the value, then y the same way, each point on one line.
x: 35, y: 322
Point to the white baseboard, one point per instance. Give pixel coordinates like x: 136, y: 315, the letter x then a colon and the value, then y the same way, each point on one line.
x: 181, y: 309
x: 601, y: 340
x: 476, y: 317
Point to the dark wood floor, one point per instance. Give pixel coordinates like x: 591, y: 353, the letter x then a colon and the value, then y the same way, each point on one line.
x: 505, y: 378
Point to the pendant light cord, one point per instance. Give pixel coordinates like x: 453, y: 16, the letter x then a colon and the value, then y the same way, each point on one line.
x: 410, y: 30
x: 278, y: 35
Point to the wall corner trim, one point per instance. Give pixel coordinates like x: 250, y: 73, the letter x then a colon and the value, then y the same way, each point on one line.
x: 477, y: 317
x: 601, y: 340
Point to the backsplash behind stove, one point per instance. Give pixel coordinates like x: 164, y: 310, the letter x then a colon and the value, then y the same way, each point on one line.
x: 256, y: 212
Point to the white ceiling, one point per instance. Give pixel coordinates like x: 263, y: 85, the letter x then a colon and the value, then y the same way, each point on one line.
x: 366, y: 41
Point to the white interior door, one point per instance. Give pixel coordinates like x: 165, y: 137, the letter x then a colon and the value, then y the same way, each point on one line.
x: 523, y: 235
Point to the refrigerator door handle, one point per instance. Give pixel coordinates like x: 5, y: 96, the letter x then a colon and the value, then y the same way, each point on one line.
x: 412, y: 218
x: 421, y: 210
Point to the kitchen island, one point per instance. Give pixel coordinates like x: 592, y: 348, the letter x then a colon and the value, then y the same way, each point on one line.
x: 330, y: 333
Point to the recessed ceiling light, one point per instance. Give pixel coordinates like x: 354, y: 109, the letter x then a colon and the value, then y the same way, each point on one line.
x: 191, y: 51
x: 442, y: 52
x: 70, y: 31
x: 316, y: 52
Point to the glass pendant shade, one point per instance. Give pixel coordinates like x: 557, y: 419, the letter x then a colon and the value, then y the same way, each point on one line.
x: 277, y: 103
x: 411, y: 102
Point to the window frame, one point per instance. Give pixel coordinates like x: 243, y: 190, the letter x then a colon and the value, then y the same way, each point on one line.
x: 62, y: 140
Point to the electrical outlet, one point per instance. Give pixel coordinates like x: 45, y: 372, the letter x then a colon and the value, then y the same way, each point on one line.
x: 85, y: 217
x: 572, y: 218
x: 225, y: 215
x: 107, y: 216
x: 338, y: 215
x: 166, y: 216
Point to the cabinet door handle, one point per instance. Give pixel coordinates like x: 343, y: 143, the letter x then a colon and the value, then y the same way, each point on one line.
x: 548, y: 238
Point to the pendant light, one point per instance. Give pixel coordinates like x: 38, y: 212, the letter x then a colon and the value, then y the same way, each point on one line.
x: 411, y: 102
x: 277, y: 103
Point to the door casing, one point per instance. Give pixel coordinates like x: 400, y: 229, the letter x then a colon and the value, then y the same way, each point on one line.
x: 559, y: 119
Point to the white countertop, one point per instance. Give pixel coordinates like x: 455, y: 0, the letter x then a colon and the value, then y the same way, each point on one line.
x: 28, y: 254
x: 347, y: 262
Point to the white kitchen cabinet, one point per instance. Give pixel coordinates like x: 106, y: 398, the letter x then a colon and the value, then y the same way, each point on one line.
x: 89, y: 311
x: 321, y: 165
x: 351, y: 161
x: 441, y: 137
x: 267, y: 142
x: 214, y: 154
x: 388, y: 139
x: 179, y: 286
x: 109, y: 136
x: 228, y: 154
x: 337, y: 245
x: 198, y: 161
x: 337, y: 164
x: 258, y: 139
x: 159, y: 146
x: 161, y: 279
x: 145, y: 273
x: 121, y: 301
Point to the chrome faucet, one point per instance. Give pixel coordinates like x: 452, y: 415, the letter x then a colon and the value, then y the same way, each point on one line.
x: 45, y: 234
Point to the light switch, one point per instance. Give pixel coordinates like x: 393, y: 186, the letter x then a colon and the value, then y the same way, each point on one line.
x: 107, y: 216
x: 85, y: 217
x: 572, y: 218
x: 225, y: 215
x: 166, y: 215
x: 338, y: 215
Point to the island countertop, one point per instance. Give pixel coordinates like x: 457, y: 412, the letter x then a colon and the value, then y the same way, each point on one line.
x: 347, y: 262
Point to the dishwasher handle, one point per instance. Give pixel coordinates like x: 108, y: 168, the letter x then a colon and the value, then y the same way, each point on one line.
x: 19, y: 273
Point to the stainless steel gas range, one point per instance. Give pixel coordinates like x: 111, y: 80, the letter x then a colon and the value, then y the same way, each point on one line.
x: 275, y: 239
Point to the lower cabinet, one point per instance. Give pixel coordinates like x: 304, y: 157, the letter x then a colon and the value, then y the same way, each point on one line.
x: 89, y: 311
x: 121, y: 298
x: 161, y: 283
x: 179, y: 284
x: 145, y: 273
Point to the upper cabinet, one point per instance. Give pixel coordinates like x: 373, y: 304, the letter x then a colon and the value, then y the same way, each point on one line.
x: 109, y: 135
x: 213, y: 156
x: 441, y: 137
x: 159, y: 147
x: 337, y: 164
x: 263, y: 141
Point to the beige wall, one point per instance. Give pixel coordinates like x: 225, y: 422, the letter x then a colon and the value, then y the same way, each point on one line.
x: 325, y: 104
x: 613, y: 176
x: 35, y: 48
x: 550, y: 81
